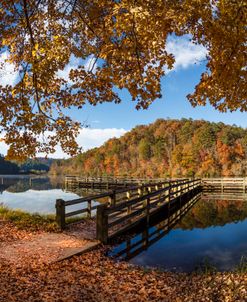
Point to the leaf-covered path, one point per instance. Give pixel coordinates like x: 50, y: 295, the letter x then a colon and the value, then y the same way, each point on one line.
x: 20, y: 247
x: 95, y: 277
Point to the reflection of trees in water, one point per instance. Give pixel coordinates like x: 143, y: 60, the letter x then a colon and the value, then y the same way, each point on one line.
x: 208, y: 213
x: 16, y: 185
x: 148, y: 234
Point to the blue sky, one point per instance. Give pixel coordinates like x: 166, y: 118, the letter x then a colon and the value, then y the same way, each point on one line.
x: 189, y: 65
x: 110, y: 120
x: 173, y: 104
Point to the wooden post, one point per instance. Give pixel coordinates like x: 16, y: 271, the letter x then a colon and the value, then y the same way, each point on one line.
x: 102, y: 223
x: 146, y: 204
x: 89, y: 209
x: 60, y: 213
x: 128, y: 195
x: 112, y: 198
x: 140, y: 191
x: 169, y: 194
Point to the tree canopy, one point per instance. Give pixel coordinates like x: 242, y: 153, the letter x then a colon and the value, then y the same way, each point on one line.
x: 125, y: 42
x: 166, y: 148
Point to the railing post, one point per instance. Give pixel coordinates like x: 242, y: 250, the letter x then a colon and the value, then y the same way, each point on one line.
x: 140, y: 191
x: 146, y: 207
x: 169, y: 193
x: 112, y: 198
x: 102, y: 223
x: 148, y: 210
x: 169, y: 197
x: 128, y: 195
x: 89, y: 209
x: 60, y: 213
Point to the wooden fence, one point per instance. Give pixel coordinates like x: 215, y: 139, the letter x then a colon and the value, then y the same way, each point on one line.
x: 148, y: 236
x: 225, y: 184
x: 107, y: 182
x: 116, y: 219
x: 132, y: 201
x: 110, y: 198
x: 118, y: 206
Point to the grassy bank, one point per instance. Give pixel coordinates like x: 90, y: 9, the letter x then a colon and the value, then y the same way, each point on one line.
x: 31, y: 222
x: 37, y: 222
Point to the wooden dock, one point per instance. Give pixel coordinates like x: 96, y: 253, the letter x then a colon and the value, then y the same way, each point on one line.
x: 106, y: 182
x: 127, y: 203
x: 146, y: 236
x: 125, y: 208
x: 225, y: 184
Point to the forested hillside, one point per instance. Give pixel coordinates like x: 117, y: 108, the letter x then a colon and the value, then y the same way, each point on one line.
x: 166, y: 148
x: 7, y: 167
x: 38, y: 165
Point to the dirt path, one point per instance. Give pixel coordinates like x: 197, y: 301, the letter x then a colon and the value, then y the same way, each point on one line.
x: 93, y: 277
x: 45, y: 247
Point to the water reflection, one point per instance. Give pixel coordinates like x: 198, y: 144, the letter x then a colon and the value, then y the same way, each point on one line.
x: 36, y: 193
x: 204, y: 228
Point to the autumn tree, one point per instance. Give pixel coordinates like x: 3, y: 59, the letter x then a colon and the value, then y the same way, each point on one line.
x: 204, y: 153
x: 144, y: 149
x: 125, y: 43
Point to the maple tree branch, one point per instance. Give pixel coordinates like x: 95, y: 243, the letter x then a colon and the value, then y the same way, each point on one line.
x: 34, y: 72
x: 136, y: 50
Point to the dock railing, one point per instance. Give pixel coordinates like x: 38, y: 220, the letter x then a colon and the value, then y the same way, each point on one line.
x: 114, y: 220
x: 225, y: 184
x: 110, y: 198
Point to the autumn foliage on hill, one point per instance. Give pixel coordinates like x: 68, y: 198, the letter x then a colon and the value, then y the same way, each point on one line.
x: 166, y: 148
x: 70, y: 53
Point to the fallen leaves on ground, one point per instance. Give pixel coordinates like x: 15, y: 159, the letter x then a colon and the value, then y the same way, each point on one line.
x: 95, y: 277
x: 9, y: 232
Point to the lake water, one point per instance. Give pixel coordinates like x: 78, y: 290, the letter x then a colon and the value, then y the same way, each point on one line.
x: 35, y: 194
x: 213, y: 232
x: 210, y: 228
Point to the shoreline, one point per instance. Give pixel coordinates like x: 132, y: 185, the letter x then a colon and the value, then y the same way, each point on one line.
x: 95, y: 277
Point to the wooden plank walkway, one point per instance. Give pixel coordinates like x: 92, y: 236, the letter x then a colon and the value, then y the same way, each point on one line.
x: 124, y: 208
x: 147, y: 236
x: 132, y: 201
x: 106, y: 182
x: 225, y: 184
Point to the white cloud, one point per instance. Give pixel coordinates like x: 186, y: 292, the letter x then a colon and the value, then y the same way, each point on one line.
x: 186, y: 53
x: 91, y: 64
x: 74, y: 63
x: 87, y: 139
x: 8, y: 75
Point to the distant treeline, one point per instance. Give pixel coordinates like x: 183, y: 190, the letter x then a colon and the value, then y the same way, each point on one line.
x: 7, y: 167
x: 39, y: 165
x: 166, y: 148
